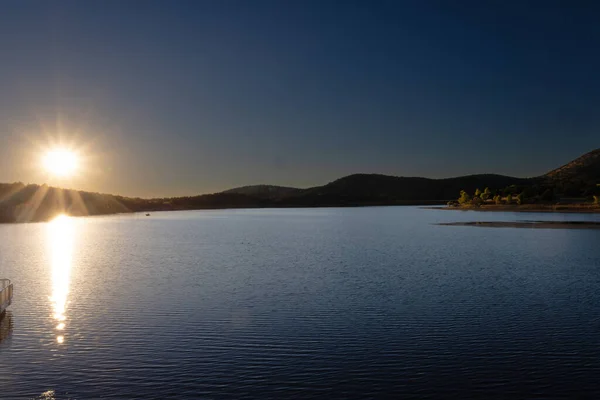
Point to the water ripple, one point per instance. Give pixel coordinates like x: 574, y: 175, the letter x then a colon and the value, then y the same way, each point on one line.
x: 361, y: 303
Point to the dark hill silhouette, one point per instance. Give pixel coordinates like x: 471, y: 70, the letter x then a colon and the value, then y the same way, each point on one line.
x: 583, y: 169
x: 26, y: 203
x: 265, y: 191
x: 201, y: 202
x: 579, y: 177
x: 375, y: 189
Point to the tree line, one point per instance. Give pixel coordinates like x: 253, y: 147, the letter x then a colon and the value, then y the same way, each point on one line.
x: 513, y: 195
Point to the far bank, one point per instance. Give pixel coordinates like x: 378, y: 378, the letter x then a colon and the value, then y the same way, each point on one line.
x: 550, y: 208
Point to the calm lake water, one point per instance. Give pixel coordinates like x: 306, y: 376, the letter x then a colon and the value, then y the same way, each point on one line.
x: 300, y: 303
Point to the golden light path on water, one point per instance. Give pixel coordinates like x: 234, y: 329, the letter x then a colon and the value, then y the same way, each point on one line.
x: 61, y: 236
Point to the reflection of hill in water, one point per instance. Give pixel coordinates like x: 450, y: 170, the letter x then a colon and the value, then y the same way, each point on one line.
x: 6, y: 325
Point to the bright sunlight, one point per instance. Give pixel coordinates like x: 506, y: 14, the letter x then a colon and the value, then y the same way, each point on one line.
x: 61, y: 162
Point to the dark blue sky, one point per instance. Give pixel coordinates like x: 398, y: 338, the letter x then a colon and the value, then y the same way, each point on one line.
x: 183, y: 97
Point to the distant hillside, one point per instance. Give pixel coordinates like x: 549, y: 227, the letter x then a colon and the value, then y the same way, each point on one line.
x: 265, y: 191
x: 583, y: 169
x: 27, y: 203
x: 579, y: 178
x: 365, y: 189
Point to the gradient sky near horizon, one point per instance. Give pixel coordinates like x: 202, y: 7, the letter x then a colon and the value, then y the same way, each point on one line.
x: 175, y: 97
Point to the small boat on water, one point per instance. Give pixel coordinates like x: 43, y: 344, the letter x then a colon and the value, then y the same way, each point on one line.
x: 6, y: 295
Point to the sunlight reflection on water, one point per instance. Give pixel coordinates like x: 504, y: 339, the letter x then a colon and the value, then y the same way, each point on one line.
x: 60, y: 238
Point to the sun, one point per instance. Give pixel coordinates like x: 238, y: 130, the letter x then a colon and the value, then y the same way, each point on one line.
x: 61, y: 162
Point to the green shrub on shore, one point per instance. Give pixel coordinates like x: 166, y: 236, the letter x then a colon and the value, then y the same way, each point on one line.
x: 486, y: 194
x: 520, y: 195
x: 464, y: 198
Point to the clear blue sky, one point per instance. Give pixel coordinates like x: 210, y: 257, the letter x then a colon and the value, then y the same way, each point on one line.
x: 186, y: 97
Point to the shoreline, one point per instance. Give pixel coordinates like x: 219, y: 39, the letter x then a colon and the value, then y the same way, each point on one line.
x: 574, y: 209
x: 528, y: 224
x: 423, y: 204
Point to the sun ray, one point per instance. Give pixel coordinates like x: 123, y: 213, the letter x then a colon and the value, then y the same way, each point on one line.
x: 78, y: 205
x: 15, y: 189
x: 27, y: 211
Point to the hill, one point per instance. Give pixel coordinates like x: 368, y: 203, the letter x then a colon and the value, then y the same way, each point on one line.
x: 580, y: 177
x: 586, y: 167
x: 265, y: 191
x: 375, y: 189
x: 27, y: 203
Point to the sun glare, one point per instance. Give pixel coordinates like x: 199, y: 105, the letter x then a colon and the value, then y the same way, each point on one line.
x: 61, y: 162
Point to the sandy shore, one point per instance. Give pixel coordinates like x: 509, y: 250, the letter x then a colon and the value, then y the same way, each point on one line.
x: 529, y: 224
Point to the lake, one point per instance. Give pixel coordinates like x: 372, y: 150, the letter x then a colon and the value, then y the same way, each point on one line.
x: 300, y: 303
